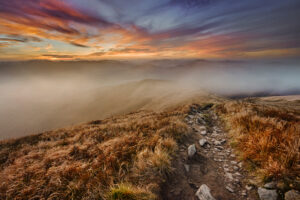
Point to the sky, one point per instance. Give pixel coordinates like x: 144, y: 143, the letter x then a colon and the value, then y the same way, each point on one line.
x: 114, y: 29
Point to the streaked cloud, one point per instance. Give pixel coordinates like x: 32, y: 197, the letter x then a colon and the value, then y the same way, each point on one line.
x: 166, y: 28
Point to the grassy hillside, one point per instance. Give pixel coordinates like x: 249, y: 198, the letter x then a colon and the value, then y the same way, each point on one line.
x: 124, y: 157
x: 129, y: 157
x: 266, y: 134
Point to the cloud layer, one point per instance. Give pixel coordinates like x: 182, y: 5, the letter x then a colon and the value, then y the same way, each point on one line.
x: 95, y: 29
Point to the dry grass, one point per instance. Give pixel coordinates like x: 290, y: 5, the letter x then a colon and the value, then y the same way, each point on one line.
x: 129, y: 192
x: 126, y: 157
x: 267, y: 137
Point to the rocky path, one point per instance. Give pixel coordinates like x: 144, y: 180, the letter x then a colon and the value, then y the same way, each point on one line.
x: 206, y: 167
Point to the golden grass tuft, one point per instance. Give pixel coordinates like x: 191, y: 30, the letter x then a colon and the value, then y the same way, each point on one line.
x: 125, y: 191
x: 267, y: 137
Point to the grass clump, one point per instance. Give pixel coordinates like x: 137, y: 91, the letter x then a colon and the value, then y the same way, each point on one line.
x: 129, y: 192
x: 266, y: 136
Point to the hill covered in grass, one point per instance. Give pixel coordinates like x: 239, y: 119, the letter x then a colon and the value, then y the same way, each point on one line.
x: 266, y: 135
x: 133, y: 156
x: 124, y: 157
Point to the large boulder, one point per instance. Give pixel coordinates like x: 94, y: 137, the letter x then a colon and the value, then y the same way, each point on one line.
x: 292, y: 195
x: 203, y: 193
x: 265, y: 194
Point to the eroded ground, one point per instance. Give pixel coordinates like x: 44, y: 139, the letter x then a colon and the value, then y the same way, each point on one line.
x: 213, y: 164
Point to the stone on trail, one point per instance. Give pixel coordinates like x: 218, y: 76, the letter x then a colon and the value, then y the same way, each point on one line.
x: 249, y: 187
x: 219, y: 148
x: 240, y: 164
x: 223, y: 141
x: 270, y: 185
x: 237, y: 174
x: 244, y: 193
x: 202, y: 142
x: 200, y: 121
x: 203, y: 193
x: 229, y: 188
x: 229, y: 176
x: 186, y: 167
x: 226, y: 169
x: 292, y: 195
x: 265, y: 194
x: 191, y: 150
x: 190, y: 116
x: 203, y: 132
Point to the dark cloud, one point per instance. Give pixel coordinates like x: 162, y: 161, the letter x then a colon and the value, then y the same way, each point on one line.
x: 192, y: 3
x: 79, y: 45
x: 11, y: 40
x: 145, y: 26
x: 130, y: 50
x: 20, y: 38
x: 48, y: 9
x: 52, y: 15
x: 57, y: 56
x: 100, y: 53
x: 123, y: 50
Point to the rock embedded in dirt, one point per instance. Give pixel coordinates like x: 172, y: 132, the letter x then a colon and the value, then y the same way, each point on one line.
x: 292, y: 195
x: 270, y: 185
x: 203, y: 132
x: 249, y: 187
x: 223, y: 141
x: 229, y: 188
x: 200, y: 121
x: 226, y: 169
x: 229, y: 176
x: 244, y: 193
x: 191, y: 150
x: 214, y: 135
x: 233, y: 162
x: 190, y: 117
x: 220, y: 148
x: 236, y: 181
x: 186, y: 167
x: 237, y: 174
x: 265, y: 194
x: 240, y: 164
x: 217, y: 150
x: 203, y: 193
x: 202, y: 142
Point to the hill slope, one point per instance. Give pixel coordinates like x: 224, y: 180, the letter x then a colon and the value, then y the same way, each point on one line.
x: 149, y: 155
x: 93, y: 160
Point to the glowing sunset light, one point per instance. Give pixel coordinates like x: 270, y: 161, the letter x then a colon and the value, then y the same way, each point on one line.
x: 75, y: 29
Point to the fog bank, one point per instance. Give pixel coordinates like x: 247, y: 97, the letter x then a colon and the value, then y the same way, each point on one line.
x: 39, y: 95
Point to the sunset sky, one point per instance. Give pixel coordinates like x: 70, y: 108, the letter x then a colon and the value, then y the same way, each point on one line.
x: 113, y: 29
